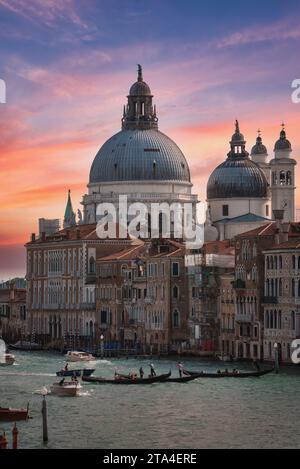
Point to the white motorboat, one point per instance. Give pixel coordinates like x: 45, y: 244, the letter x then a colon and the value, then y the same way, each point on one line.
x: 5, y: 358
x: 66, y: 388
x: 73, y: 356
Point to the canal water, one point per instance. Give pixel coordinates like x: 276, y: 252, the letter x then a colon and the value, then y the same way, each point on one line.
x: 206, y: 413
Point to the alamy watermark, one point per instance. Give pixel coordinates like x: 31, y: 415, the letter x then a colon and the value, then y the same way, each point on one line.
x: 296, y: 93
x: 153, y: 220
x: 295, y: 348
x: 2, y: 91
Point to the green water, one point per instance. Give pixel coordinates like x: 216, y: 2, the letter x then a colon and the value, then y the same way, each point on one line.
x: 206, y: 413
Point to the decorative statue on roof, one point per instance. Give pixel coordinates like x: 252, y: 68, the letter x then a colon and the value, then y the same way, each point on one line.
x: 80, y: 221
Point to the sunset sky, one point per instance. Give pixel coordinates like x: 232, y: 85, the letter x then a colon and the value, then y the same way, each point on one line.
x: 68, y: 66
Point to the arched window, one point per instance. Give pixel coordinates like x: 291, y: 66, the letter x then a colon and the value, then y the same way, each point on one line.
x: 282, y: 180
x: 271, y: 263
x: 279, y: 319
x: 293, y: 287
x: 92, y: 265
x: 275, y: 262
x: 274, y: 178
x: 294, y: 262
x: 175, y: 291
x: 289, y: 178
x: 280, y: 262
x: 268, y: 262
x: 176, y: 318
x: 293, y: 320
x: 280, y: 287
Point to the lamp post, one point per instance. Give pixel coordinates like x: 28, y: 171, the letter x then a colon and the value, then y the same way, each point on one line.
x: 276, y: 358
x: 101, y: 346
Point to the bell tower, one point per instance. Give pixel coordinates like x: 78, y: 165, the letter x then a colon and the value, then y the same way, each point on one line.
x: 283, y: 177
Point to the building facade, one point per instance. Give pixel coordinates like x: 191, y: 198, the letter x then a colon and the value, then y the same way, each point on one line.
x: 282, y: 299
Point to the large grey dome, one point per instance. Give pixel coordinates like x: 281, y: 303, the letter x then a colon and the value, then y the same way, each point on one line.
x: 137, y: 155
x: 237, y: 177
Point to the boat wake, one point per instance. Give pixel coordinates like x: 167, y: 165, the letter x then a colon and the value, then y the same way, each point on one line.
x: 43, y: 391
x: 84, y: 393
x: 24, y: 373
x: 105, y: 362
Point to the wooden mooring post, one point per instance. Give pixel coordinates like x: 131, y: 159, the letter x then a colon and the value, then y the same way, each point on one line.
x: 45, y: 423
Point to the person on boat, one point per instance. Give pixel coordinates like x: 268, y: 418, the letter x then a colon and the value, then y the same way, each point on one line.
x: 226, y: 371
x: 66, y: 367
x: 141, y: 371
x: 152, y: 370
x: 219, y: 372
x: 255, y: 363
x: 180, y: 369
x: 61, y: 382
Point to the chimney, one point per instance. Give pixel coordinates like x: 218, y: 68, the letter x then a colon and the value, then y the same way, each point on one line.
x: 32, y: 237
x: 67, y: 234
x: 78, y: 233
x: 43, y: 236
x: 278, y: 217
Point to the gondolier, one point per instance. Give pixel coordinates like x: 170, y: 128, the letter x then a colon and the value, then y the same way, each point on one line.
x: 152, y: 370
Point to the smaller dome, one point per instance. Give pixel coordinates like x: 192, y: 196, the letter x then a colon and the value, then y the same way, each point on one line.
x: 237, y: 136
x: 140, y: 88
x: 259, y: 148
x: 283, y: 143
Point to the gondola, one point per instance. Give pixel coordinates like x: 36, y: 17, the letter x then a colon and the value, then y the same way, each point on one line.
x: 230, y: 374
x: 150, y: 380
x: 183, y: 379
x: 83, y: 372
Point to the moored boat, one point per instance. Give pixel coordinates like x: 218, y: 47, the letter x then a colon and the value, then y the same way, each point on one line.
x: 125, y: 380
x: 25, y: 346
x: 230, y: 374
x: 77, y: 372
x: 9, y: 414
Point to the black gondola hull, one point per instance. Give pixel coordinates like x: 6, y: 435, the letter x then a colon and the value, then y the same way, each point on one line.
x: 154, y: 379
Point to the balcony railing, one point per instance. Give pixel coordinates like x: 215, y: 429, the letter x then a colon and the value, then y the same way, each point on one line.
x: 273, y: 300
x: 248, y: 317
x: 87, y: 305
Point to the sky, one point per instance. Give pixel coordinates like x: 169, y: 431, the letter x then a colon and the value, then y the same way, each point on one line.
x: 68, y: 66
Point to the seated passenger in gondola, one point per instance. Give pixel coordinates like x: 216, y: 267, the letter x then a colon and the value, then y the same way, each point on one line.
x: 219, y: 372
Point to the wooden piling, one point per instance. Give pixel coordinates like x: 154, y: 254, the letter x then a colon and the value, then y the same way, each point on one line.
x: 15, y: 433
x: 45, y: 424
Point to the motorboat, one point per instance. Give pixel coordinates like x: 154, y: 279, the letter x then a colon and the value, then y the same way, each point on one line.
x: 9, y: 414
x: 77, y: 372
x: 5, y: 358
x: 66, y: 388
x: 74, y: 356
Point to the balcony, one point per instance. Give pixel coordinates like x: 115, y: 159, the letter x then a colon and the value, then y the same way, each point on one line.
x: 149, y: 300
x: 140, y: 279
x: 87, y: 305
x: 271, y: 300
x: 238, y: 283
x: 244, y: 317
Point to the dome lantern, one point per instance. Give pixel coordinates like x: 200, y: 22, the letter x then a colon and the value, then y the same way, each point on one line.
x: 237, y: 144
x: 139, y: 112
